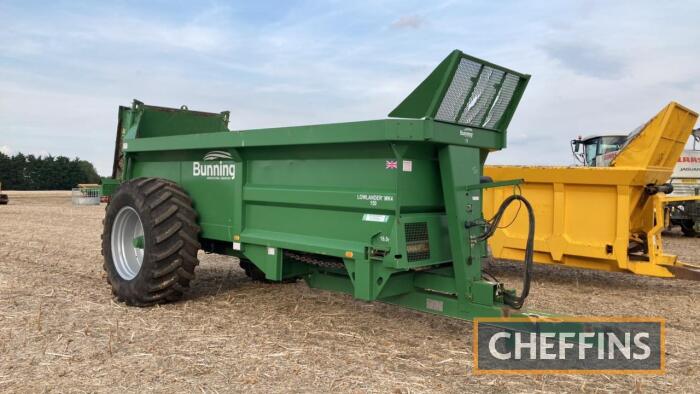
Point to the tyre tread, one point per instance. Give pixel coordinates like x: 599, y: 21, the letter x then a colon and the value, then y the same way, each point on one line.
x: 173, y: 252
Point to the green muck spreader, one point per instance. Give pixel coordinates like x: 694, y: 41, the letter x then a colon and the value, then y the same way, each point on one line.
x: 386, y: 210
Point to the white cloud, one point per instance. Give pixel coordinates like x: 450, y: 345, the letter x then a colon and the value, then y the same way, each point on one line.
x: 408, y: 22
x: 7, y: 150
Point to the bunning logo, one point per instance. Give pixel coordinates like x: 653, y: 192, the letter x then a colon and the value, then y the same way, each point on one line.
x: 467, y: 133
x: 217, y: 155
x: 222, y: 169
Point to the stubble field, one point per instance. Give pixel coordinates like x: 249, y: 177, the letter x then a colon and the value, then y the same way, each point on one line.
x: 61, y: 331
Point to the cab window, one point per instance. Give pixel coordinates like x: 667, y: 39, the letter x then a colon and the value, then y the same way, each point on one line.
x: 591, y: 153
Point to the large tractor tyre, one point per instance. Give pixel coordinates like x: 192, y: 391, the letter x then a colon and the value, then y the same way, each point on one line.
x: 687, y: 226
x: 149, y: 242
x: 254, y: 273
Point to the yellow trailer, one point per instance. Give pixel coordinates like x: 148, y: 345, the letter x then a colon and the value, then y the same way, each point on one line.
x: 603, y: 218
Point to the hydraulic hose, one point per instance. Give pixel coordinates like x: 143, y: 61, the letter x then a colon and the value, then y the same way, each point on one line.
x: 513, y: 301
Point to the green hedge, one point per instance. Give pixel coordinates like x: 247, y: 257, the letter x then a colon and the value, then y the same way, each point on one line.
x: 20, y: 172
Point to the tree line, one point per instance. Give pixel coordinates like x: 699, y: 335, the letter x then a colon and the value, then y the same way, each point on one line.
x: 20, y: 172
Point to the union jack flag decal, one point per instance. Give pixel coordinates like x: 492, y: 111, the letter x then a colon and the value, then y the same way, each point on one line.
x: 391, y: 165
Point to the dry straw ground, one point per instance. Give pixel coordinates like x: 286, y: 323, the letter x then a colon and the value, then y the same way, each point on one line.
x: 61, y: 331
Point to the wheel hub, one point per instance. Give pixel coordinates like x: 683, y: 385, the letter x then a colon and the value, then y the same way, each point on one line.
x: 127, y: 243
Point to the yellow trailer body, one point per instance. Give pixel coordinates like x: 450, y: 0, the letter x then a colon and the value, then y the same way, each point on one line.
x: 603, y: 218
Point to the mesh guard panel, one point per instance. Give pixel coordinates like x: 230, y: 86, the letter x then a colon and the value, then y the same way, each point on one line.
x: 510, y: 82
x: 481, y: 100
x: 417, y: 245
x: 467, y: 91
x: 456, y: 94
x: 478, y: 95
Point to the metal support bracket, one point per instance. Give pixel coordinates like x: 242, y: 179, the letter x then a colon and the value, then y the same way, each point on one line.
x: 489, y: 185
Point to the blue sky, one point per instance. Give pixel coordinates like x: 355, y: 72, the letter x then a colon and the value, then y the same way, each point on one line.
x: 596, y: 66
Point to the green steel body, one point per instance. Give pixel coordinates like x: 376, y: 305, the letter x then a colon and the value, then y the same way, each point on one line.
x: 388, y: 198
